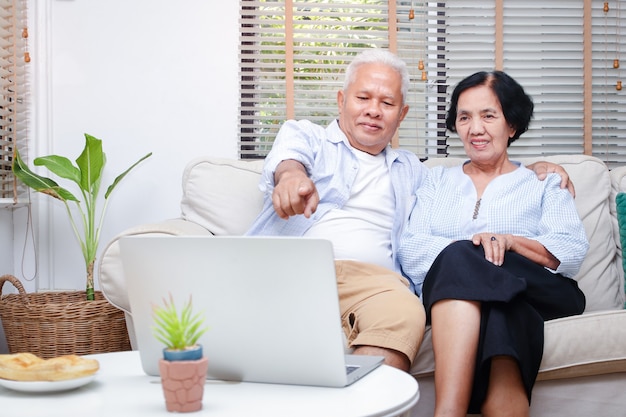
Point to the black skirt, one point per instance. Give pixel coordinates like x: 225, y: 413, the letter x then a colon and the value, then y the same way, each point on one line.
x: 516, y: 299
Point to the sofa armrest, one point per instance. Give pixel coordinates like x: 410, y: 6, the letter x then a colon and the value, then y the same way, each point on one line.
x: 110, y: 273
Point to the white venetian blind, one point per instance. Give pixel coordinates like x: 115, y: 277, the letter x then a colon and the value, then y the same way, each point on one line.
x: 609, y: 103
x: 543, y: 51
x: 541, y: 43
x: 13, y: 90
x: 421, y: 42
x: 541, y: 48
x: 293, y: 55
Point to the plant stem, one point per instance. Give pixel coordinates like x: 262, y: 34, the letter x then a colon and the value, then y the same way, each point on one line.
x: 90, y: 285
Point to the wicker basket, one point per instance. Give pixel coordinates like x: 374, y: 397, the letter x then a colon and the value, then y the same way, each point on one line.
x: 50, y: 324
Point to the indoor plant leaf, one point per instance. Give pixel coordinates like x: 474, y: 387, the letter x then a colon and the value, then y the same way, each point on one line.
x: 122, y: 175
x: 91, y: 163
x: 38, y: 183
x: 60, y: 166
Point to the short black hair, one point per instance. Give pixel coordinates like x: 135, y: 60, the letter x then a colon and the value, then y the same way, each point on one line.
x: 517, y: 106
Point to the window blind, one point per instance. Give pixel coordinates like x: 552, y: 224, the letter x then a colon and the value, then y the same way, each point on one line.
x: 541, y: 43
x: 609, y: 103
x: 420, y: 42
x: 13, y: 90
x: 299, y: 77
x: 541, y: 49
x: 325, y: 36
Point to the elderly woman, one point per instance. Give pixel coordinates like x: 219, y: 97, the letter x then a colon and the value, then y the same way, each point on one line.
x: 491, y: 251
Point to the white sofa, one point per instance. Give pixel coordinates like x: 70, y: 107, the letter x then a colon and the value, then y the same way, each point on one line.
x: 583, y: 372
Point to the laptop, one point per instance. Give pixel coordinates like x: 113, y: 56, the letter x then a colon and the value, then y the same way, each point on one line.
x: 270, y: 303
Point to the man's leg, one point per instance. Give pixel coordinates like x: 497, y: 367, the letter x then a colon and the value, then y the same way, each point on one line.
x: 380, y: 315
x: 392, y: 357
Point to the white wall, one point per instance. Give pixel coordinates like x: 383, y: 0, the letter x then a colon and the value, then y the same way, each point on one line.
x: 143, y: 75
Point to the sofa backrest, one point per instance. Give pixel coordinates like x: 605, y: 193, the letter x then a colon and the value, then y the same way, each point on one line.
x: 222, y: 195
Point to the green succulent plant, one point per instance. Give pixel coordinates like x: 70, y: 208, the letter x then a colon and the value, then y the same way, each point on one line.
x: 177, y: 330
x: 87, y: 175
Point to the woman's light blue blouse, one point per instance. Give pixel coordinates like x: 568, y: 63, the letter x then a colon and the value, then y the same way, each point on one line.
x: 515, y: 203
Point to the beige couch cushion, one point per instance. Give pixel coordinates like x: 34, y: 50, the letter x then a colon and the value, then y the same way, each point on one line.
x: 585, y: 345
x: 222, y: 195
x: 574, y: 346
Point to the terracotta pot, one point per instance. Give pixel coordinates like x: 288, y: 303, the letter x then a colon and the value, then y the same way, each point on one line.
x: 183, y: 384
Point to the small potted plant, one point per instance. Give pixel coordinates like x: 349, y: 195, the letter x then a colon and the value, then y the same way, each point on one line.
x: 183, y: 367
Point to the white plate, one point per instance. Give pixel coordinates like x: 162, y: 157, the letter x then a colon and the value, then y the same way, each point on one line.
x: 46, y: 386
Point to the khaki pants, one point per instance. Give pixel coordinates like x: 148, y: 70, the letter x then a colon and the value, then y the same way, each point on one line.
x: 378, y: 309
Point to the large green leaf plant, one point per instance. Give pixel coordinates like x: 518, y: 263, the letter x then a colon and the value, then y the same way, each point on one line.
x: 87, y: 175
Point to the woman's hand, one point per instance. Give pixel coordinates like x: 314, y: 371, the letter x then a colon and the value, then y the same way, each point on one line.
x: 495, y: 245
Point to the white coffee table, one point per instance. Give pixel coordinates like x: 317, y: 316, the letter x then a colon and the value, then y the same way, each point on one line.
x: 121, y: 389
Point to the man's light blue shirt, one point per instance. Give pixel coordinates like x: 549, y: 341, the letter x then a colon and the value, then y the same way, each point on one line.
x: 332, y: 166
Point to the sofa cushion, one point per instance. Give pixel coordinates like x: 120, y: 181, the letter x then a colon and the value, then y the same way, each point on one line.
x: 589, y: 344
x: 222, y: 195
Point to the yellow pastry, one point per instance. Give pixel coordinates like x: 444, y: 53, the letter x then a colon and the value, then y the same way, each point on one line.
x: 28, y: 367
